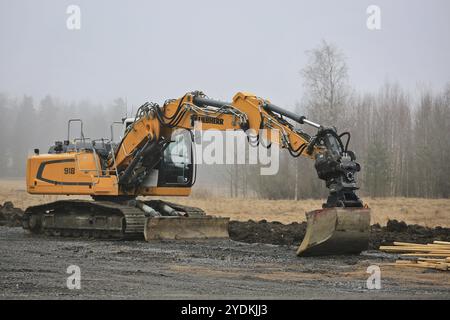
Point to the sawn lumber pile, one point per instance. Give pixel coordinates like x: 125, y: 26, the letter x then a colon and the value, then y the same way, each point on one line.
x: 434, y: 255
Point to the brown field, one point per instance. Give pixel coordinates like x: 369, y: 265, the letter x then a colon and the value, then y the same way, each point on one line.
x: 427, y: 212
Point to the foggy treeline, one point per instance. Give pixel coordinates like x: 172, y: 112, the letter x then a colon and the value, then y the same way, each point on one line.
x: 26, y: 124
x: 401, y: 139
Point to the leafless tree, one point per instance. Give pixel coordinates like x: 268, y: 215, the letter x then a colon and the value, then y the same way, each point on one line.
x: 325, y: 81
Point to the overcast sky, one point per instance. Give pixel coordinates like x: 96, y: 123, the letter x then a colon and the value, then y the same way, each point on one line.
x: 153, y: 50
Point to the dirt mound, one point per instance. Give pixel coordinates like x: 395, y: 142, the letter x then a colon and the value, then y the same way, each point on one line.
x: 10, y: 216
x: 292, y: 234
x: 267, y: 232
x: 400, y: 231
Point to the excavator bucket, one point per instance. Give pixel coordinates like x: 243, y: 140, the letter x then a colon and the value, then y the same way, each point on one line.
x: 185, y: 228
x: 336, y: 231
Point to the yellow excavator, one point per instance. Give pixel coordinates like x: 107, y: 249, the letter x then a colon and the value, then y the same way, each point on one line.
x: 154, y: 158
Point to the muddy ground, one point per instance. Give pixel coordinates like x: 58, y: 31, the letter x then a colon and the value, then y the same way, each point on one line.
x: 10, y: 216
x: 35, y: 267
x: 258, y: 261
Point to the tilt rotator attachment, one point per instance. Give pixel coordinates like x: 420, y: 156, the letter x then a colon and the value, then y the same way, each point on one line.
x: 342, y: 226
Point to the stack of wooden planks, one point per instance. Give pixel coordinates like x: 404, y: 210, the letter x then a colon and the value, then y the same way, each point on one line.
x: 434, y: 255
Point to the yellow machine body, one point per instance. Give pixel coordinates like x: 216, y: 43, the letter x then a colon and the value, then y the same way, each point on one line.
x: 78, y: 173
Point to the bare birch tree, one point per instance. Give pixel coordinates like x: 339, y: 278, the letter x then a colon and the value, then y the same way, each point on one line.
x: 325, y: 80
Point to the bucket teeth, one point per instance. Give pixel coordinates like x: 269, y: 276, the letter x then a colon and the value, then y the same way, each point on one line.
x: 336, y: 231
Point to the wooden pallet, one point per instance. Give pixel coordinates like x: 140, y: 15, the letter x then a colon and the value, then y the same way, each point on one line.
x: 434, y: 255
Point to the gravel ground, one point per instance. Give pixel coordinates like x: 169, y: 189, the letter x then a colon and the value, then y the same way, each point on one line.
x: 34, y: 267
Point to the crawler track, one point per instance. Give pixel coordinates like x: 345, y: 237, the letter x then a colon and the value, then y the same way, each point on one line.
x: 79, y: 218
x: 93, y: 219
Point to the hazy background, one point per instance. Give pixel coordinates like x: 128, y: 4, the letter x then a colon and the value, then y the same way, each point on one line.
x: 153, y: 50
x: 394, y: 98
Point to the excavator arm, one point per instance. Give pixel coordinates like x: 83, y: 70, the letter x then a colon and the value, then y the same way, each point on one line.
x: 150, y: 134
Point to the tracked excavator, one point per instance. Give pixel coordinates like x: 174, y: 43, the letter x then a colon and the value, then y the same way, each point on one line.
x: 150, y: 160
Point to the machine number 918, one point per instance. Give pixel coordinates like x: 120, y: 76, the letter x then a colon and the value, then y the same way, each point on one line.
x: 69, y: 170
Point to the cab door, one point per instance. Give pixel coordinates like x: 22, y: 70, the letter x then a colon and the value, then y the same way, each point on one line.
x: 176, y: 168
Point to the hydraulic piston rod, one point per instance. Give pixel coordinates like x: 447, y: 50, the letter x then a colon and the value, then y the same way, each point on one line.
x: 290, y: 115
